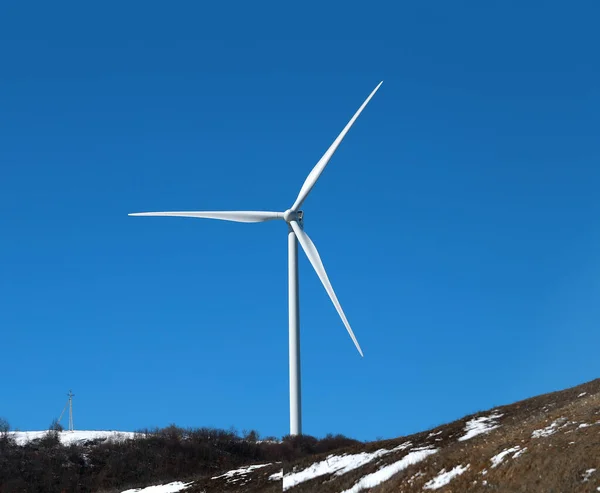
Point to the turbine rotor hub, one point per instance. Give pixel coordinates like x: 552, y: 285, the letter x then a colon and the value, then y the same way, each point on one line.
x: 291, y: 215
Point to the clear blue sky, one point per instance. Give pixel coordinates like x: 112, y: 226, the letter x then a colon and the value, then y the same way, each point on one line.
x: 459, y: 221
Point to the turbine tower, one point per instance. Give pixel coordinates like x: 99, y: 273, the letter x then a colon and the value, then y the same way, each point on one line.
x: 294, y: 218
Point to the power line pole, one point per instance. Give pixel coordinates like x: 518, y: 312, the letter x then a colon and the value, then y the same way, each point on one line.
x: 69, y: 404
x: 71, y: 395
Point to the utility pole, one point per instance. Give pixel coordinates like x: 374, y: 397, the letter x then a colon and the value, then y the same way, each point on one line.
x: 69, y: 404
x: 71, y: 395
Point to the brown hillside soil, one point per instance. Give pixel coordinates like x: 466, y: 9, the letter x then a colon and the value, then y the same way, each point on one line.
x: 555, y: 441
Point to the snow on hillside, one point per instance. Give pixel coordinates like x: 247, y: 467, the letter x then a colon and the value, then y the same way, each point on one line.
x: 252, y: 477
x: 337, y: 465
x: 386, y: 472
x: 161, y: 488
x: 498, y: 458
x: 444, y: 477
x: 477, y: 426
x: 69, y: 437
x: 240, y: 474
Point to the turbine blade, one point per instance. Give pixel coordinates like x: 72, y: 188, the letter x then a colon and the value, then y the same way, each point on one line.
x: 313, y: 256
x: 312, y: 178
x: 236, y: 216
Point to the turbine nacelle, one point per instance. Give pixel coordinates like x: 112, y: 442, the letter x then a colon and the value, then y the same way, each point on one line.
x: 291, y: 215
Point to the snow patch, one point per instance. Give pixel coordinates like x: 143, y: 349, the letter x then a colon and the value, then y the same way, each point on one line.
x: 520, y: 452
x: 231, y: 475
x: 477, y: 426
x: 548, y: 430
x: 584, y: 425
x: 386, y: 472
x: 587, y: 474
x: 337, y: 464
x: 161, y: 488
x: 498, y: 458
x: 70, y: 437
x: 582, y: 394
x: 278, y: 476
x: 443, y: 478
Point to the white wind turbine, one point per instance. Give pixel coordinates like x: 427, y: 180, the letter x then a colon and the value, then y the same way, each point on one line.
x: 293, y: 217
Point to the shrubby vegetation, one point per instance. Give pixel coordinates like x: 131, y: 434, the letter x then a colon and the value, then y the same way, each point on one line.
x: 153, y: 456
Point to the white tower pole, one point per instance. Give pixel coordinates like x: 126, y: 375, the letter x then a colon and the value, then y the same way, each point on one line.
x: 294, y: 322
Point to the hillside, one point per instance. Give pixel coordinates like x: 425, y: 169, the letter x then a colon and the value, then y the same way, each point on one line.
x: 543, y: 444
x: 549, y: 443
x: 110, y: 462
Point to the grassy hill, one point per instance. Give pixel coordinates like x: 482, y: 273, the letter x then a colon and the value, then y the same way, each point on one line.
x: 548, y: 443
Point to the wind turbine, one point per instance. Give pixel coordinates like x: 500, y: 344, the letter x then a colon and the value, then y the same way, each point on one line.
x: 294, y: 218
